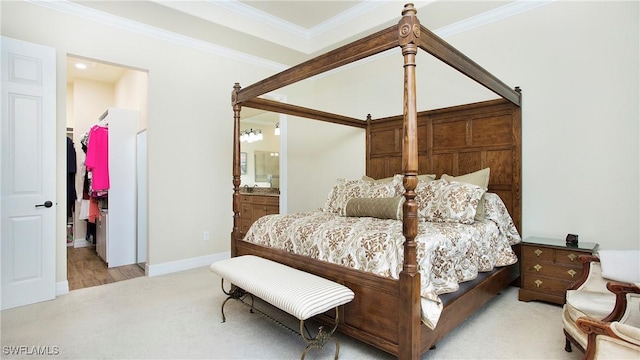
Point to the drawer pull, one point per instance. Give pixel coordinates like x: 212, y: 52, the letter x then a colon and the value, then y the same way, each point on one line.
x: 538, y: 252
x: 571, y: 272
x: 538, y: 283
x: 572, y: 257
x: 537, y: 267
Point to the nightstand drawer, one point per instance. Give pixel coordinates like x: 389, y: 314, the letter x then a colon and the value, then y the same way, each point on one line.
x: 538, y: 252
x: 568, y: 257
x: 538, y: 268
x: 545, y: 284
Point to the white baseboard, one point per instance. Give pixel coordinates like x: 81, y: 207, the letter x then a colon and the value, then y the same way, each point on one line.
x: 62, y: 288
x: 186, y: 264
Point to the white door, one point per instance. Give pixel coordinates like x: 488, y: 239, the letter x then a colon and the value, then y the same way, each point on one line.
x: 141, y: 193
x: 28, y: 166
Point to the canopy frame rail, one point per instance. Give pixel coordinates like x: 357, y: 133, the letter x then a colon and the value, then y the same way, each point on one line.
x: 360, y: 49
x: 442, y: 50
x: 294, y: 110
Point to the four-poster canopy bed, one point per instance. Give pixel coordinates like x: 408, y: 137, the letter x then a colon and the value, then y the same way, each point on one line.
x: 386, y: 311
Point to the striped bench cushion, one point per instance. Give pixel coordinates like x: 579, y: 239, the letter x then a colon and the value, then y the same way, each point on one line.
x: 300, y: 294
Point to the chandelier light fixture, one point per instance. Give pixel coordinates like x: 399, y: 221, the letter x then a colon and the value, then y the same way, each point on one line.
x: 251, y: 135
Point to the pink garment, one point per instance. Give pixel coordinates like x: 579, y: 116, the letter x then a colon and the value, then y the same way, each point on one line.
x: 97, y: 161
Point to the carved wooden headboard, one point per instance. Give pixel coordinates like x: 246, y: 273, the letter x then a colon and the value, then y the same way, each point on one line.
x: 457, y: 140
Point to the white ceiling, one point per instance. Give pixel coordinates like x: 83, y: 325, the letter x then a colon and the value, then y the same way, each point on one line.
x: 305, y: 13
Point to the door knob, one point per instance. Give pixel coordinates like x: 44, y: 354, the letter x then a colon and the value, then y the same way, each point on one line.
x: 46, y: 204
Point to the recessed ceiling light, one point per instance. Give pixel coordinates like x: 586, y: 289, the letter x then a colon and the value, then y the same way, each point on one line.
x: 81, y: 66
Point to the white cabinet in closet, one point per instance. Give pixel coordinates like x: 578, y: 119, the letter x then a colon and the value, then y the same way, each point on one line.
x: 102, y: 234
x: 120, y: 232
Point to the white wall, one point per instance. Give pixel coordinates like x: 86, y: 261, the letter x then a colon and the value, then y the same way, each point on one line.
x: 131, y: 93
x: 581, y: 113
x: 319, y: 153
x: 190, y: 123
x: 581, y: 110
x: 580, y: 120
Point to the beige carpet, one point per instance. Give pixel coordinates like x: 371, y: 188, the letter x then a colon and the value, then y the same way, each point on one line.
x: 177, y: 316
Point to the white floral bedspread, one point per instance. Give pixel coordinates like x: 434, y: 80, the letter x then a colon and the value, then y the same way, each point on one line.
x: 448, y: 253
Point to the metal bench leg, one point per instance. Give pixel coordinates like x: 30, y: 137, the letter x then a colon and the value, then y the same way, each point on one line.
x: 320, y: 339
x: 237, y: 294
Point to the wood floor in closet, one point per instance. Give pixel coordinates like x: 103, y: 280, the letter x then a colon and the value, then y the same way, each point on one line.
x: 86, y: 269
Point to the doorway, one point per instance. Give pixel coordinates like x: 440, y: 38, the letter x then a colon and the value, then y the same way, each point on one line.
x: 114, y: 97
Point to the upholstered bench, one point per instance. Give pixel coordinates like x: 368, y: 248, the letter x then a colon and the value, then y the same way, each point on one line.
x: 296, y: 292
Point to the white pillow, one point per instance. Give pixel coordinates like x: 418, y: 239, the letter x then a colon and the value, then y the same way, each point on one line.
x: 620, y: 265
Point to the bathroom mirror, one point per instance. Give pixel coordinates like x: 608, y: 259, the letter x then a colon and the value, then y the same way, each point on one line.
x: 267, y: 167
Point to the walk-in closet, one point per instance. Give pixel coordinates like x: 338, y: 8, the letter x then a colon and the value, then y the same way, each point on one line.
x: 106, y: 160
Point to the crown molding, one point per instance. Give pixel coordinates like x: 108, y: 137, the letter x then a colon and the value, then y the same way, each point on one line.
x: 262, y: 17
x: 97, y: 16
x: 242, y: 9
x: 283, y: 32
x: 74, y: 9
x: 488, y: 17
x: 345, y: 17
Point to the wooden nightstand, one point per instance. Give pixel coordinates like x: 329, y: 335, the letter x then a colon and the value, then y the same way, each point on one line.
x: 548, y: 267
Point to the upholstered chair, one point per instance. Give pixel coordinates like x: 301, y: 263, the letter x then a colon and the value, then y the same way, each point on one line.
x: 606, y: 292
x: 610, y: 340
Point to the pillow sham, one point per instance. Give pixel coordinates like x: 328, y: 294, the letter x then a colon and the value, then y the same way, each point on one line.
x: 479, y: 178
x: 344, y: 189
x: 444, y: 201
x: 381, y: 208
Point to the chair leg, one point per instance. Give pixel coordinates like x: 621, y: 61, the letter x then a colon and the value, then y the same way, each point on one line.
x: 567, y: 345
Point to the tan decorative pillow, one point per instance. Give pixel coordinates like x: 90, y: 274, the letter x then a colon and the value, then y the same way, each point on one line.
x: 444, y: 201
x: 344, y: 189
x: 381, y: 208
x: 479, y: 178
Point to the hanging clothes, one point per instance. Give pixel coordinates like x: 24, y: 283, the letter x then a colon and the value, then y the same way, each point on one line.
x: 94, y: 210
x: 71, y: 177
x: 97, y: 160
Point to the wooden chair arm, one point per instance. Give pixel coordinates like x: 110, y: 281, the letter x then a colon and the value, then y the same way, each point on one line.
x: 621, y: 290
x: 593, y: 328
x: 586, y: 267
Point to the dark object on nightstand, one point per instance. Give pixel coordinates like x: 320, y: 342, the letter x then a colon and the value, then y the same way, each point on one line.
x: 572, y: 240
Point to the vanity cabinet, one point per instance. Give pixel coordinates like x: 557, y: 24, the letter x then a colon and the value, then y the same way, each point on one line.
x: 253, y: 207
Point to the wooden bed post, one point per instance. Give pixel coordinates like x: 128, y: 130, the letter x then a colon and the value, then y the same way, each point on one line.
x: 235, y: 234
x: 409, y: 313
x: 367, y: 138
